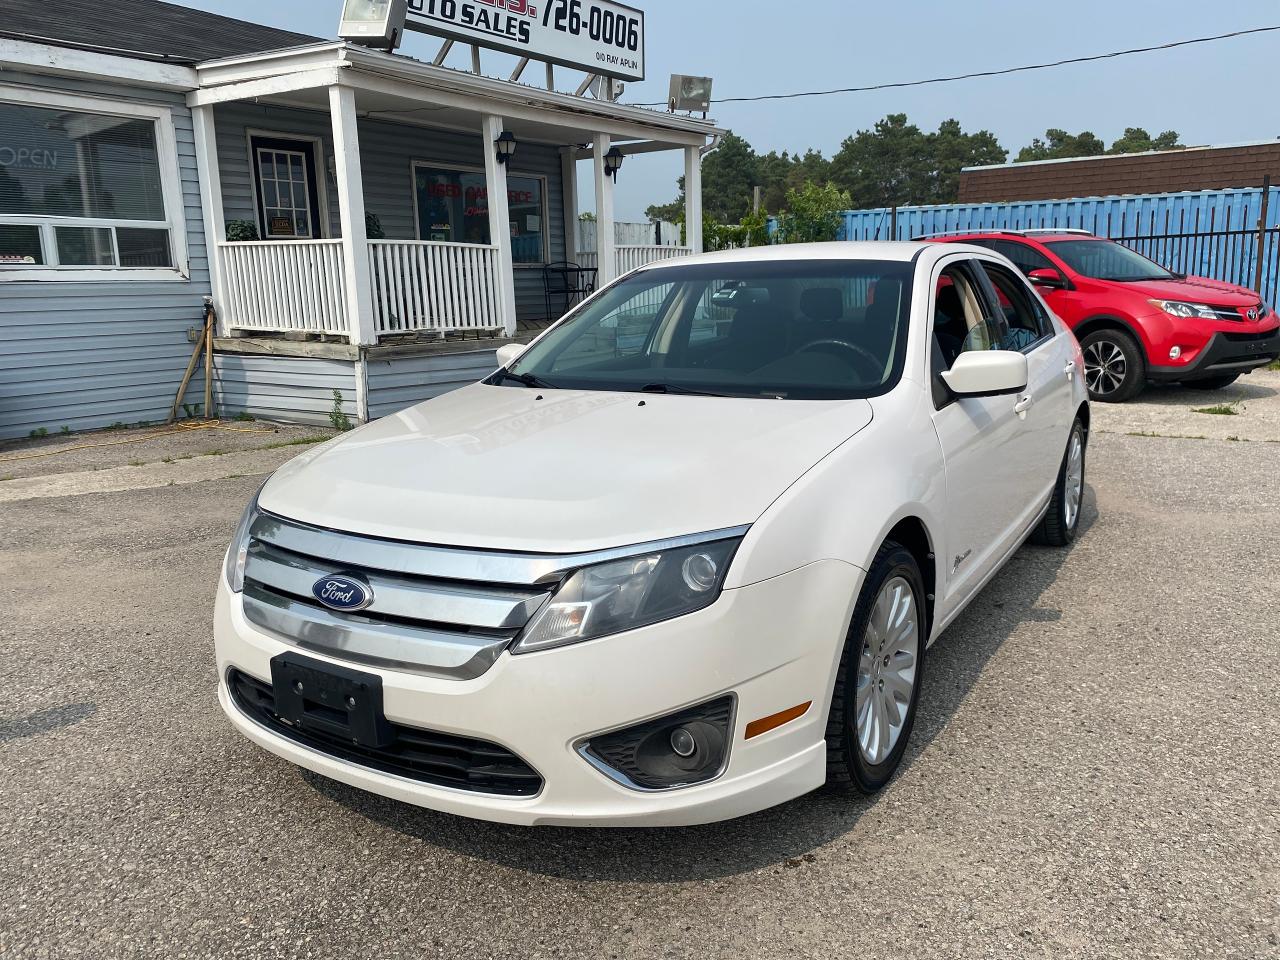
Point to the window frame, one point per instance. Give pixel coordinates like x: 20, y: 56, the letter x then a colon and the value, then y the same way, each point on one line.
x: 321, y: 185
x: 171, y: 194
x: 463, y: 168
x: 1016, y: 276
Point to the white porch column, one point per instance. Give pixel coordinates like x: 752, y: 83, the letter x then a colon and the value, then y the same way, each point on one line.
x: 215, y: 219
x: 495, y: 178
x: 693, y: 198
x: 569, y: 179
x: 355, y: 239
x: 606, y: 248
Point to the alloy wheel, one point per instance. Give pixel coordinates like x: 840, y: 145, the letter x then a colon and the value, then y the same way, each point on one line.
x: 887, y: 670
x: 1105, y: 367
x: 1073, y: 491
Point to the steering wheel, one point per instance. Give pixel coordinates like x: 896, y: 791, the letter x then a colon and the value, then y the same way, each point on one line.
x: 875, y: 366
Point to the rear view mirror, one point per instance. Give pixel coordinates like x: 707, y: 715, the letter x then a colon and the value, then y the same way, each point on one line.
x: 1048, y: 277
x: 987, y: 373
x: 509, y: 353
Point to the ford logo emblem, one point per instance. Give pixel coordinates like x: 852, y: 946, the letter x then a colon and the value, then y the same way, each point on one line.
x: 342, y: 592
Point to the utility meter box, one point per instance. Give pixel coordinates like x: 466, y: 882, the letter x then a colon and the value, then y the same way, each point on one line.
x: 374, y: 23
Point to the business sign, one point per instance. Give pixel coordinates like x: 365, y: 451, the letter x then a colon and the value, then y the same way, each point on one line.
x: 598, y: 36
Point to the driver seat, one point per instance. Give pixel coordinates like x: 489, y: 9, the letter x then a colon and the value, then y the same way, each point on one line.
x: 757, y: 337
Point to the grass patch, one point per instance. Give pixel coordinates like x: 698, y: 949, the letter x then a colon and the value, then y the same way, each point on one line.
x: 299, y: 442
x: 7, y: 476
x: 1166, y: 436
x: 1219, y: 410
x: 137, y: 463
x: 1274, y: 365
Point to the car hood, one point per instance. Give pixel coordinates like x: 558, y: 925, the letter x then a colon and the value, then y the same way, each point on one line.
x: 1215, y: 293
x: 561, y: 471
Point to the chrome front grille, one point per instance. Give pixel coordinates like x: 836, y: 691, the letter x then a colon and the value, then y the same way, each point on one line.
x: 441, y: 612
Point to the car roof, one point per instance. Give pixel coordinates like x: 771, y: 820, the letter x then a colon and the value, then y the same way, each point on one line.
x: 897, y: 250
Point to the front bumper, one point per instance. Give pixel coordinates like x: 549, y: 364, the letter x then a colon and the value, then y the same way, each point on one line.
x: 772, y: 645
x: 1225, y: 353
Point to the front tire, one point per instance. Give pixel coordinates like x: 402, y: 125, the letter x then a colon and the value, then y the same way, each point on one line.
x: 1212, y: 383
x: 878, y: 680
x: 1114, y: 368
x: 1059, y: 526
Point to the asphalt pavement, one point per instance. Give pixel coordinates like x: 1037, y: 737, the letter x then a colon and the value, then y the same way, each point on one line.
x: 1094, y: 773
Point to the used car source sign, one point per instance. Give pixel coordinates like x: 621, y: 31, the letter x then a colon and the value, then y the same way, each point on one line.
x: 598, y: 36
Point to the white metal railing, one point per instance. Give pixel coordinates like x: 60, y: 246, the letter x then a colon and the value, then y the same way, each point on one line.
x: 631, y: 257
x: 428, y: 285
x: 293, y: 285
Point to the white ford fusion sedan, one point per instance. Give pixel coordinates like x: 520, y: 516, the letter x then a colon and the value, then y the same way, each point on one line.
x: 680, y: 559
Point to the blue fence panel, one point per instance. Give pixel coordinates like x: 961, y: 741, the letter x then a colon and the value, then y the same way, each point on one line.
x: 1209, y: 233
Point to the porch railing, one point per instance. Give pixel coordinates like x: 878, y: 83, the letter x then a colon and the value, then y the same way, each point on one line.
x: 631, y: 257
x: 628, y: 258
x: 428, y: 285
x: 285, y: 286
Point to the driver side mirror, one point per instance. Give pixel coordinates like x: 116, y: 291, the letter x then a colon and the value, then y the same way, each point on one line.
x: 509, y: 353
x: 987, y: 373
x: 1048, y: 277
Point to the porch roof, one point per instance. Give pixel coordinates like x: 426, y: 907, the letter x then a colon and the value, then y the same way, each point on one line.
x: 395, y: 87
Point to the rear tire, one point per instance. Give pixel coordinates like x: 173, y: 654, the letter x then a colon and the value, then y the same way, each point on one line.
x: 1114, y: 367
x: 1059, y: 526
x: 878, y: 680
x: 1212, y: 383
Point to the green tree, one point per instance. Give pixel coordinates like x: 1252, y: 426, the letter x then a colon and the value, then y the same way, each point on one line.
x: 1060, y: 145
x: 950, y: 150
x: 1137, y: 140
x: 896, y: 162
x: 813, y: 213
x: 884, y: 166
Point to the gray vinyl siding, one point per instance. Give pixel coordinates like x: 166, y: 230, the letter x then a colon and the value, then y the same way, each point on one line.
x: 86, y: 355
x: 387, y: 152
x: 401, y: 382
x: 290, y: 389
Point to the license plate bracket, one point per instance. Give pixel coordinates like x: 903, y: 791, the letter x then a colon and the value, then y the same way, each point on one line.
x: 315, y: 696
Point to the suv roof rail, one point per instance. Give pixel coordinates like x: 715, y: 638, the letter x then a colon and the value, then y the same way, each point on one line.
x: 1033, y: 231
x: 1038, y: 230
x: 952, y: 233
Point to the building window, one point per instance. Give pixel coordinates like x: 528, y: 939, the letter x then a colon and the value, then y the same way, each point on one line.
x: 453, y: 206
x: 82, y: 190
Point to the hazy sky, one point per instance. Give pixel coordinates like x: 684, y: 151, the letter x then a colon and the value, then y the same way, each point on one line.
x: 1211, y: 93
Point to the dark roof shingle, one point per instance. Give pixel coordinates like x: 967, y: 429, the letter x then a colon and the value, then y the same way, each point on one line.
x: 147, y: 29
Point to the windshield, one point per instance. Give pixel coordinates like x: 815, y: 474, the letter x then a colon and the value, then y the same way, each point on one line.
x: 1104, y: 260
x: 814, y: 330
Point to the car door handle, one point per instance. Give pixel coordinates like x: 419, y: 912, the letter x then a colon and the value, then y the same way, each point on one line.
x: 1023, y: 405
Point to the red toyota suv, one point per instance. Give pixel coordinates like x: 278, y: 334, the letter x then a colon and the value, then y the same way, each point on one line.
x: 1135, y: 320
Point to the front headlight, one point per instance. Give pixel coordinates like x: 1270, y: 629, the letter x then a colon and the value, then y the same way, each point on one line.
x: 238, y: 552
x: 1177, y: 308
x: 635, y: 592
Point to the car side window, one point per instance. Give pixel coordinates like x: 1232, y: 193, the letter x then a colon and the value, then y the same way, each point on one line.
x: 1025, y: 258
x: 1027, y: 326
x: 963, y: 318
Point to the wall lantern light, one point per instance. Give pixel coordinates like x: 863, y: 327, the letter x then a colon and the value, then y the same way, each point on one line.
x: 613, y: 163
x: 505, y: 145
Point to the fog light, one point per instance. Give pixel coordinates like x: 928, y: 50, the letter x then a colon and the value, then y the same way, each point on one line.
x: 683, y: 743
x: 678, y: 750
x: 1175, y: 353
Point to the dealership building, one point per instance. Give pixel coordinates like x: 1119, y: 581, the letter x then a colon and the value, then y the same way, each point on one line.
x: 364, y: 222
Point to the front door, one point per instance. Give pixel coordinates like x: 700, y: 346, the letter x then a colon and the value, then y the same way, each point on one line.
x: 980, y: 439
x: 287, y: 188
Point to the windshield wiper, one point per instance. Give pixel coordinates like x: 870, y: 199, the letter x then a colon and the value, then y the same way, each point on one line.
x: 676, y: 388
x: 528, y: 379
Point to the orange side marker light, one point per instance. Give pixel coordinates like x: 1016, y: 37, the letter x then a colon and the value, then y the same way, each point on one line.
x: 757, y: 727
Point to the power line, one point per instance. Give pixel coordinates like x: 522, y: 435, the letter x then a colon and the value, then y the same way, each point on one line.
x: 987, y: 73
